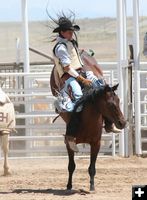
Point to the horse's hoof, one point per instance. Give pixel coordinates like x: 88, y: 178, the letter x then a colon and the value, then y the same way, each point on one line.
x: 68, y: 192
x: 92, y: 188
x: 69, y: 187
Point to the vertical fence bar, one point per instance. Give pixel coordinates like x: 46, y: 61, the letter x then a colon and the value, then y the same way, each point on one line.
x: 113, y: 145
x: 17, y: 51
x: 120, y: 47
x: 26, y: 59
x: 138, y: 145
x: 25, y: 36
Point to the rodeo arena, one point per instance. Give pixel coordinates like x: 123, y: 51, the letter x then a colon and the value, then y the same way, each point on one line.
x: 36, y: 162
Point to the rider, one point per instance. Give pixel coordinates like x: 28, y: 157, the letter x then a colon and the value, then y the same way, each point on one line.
x: 70, y: 68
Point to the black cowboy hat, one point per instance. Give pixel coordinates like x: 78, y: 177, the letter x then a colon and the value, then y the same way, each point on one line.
x: 64, y: 25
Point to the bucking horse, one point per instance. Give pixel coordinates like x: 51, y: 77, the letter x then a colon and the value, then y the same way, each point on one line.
x: 96, y: 104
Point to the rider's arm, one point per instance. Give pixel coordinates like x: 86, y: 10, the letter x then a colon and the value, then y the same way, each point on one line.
x: 64, y: 57
x: 71, y: 71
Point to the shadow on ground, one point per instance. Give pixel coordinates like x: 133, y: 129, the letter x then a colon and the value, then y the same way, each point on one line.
x: 58, y: 192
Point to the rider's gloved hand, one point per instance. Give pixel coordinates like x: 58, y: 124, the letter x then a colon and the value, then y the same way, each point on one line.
x: 85, y: 81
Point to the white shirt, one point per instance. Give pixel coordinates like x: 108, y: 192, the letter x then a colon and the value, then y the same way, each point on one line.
x: 62, y: 53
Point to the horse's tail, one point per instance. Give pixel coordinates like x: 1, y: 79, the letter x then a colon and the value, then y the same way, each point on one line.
x: 55, y: 118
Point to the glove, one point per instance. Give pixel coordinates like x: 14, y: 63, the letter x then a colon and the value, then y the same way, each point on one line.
x: 85, y: 81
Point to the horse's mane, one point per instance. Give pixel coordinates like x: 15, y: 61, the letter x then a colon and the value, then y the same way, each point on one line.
x: 89, y: 97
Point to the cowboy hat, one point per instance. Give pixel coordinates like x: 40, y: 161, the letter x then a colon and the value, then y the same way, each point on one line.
x: 65, y: 24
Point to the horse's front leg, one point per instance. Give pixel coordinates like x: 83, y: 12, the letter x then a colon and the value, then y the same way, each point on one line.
x: 92, y: 171
x: 5, y: 148
x: 71, y: 167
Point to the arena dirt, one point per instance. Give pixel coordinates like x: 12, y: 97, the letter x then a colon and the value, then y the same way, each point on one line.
x: 45, y: 179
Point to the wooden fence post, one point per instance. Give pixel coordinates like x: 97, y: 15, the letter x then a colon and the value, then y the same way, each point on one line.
x: 130, y: 102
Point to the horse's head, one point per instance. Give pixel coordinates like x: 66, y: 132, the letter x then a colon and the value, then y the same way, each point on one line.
x: 110, y: 108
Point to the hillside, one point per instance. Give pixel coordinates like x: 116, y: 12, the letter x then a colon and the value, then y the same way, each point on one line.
x: 97, y: 34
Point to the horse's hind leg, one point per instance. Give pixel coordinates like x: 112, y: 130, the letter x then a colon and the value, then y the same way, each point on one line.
x: 71, y: 168
x: 92, y: 171
x: 5, y: 148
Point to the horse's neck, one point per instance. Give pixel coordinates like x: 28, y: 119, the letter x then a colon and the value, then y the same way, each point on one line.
x: 91, y: 122
x: 91, y: 113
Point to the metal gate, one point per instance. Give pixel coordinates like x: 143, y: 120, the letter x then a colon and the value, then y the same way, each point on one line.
x: 141, y: 123
x: 37, y: 136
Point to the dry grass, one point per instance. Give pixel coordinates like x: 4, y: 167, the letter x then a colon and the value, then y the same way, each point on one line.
x: 97, y: 34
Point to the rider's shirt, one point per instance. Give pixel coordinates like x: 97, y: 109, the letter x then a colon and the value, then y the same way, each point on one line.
x: 66, y: 53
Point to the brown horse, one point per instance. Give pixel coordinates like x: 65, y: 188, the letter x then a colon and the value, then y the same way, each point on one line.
x: 97, y: 103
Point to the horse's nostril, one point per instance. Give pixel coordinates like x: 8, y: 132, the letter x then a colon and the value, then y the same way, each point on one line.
x: 119, y: 123
x: 122, y: 123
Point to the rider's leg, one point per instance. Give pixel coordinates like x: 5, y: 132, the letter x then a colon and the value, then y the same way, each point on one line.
x: 74, y: 87
x: 75, y: 93
x: 69, y: 95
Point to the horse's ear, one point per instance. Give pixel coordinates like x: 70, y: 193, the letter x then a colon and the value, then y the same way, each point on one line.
x: 115, y: 87
x: 107, y: 88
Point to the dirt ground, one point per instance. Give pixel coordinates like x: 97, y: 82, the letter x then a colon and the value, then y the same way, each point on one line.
x: 45, y: 179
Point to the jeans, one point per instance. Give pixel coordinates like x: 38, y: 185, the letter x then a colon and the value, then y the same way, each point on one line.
x: 75, y: 87
x: 72, y: 92
x: 76, y: 92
